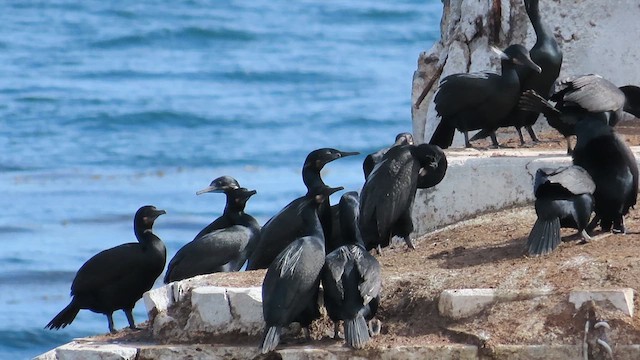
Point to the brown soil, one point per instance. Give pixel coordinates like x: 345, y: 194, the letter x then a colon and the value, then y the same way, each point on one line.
x: 488, y: 252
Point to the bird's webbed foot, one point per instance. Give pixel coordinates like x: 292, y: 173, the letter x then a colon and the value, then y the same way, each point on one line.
x: 409, y: 242
x: 379, y: 250
x: 618, y: 226
x: 585, y: 236
x: 375, y: 326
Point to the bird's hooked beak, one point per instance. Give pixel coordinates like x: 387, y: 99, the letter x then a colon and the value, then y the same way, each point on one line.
x: 215, y: 188
x: 327, y: 192
x: 154, y: 216
x: 526, y: 61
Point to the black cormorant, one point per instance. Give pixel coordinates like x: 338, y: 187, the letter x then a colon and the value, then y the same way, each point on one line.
x: 222, y: 250
x: 286, y: 225
x: 545, y: 53
x: 351, y: 278
x: 479, y: 101
x: 586, y: 94
x: 291, y: 284
x: 386, y: 199
x: 372, y: 159
x: 613, y: 168
x: 564, y: 198
x: 116, y: 278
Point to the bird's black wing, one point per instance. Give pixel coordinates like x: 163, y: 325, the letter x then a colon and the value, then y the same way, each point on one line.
x: 209, y: 251
x: 460, y: 91
x: 107, y: 267
x: 369, y: 269
x: 591, y: 92
x: 573, y: 178
x: 334, y: 264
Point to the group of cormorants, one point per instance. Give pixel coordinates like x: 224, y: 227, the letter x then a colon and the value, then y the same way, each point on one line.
x: 308, y: 243
x: 311, y: 244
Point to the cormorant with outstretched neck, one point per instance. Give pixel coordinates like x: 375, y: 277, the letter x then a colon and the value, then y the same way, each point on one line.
x: 351, y: 279
x: 372, y: 159
x: 386, y: 199
x: 223, y: 249
x: 286, y: 225
x: 291, y: 284
x: 479, y: 101
x: 576, y: 97
x: 613, y: 168
x: 564, y: 198
x: 116, y: 278
x: 545, y: 53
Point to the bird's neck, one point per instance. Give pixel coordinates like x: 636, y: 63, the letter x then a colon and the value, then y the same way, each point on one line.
x: 148, y: 239
x: 543, y: 32
x: 311, y: 220
x: 311, y: 177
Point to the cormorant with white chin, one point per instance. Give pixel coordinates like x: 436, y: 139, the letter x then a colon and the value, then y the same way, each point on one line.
x: 286, y: 225
x: 116, y: 278
x: 479, y: 101
x: 226, y: 244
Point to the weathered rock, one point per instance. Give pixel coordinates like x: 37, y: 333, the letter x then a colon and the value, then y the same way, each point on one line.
x: 246, y: 309
x: 81, y: 350
x: 462, y: 303
x: 210, y: 310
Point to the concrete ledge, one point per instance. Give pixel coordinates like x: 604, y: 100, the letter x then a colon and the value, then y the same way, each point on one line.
x: 621, y: 299
x: 482, y: 181
x: 462, y: 303
x: 104, y: 351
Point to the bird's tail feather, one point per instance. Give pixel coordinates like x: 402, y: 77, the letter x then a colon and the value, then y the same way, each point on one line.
x: 544, y: 237
x: 356, y: 332
x: 443, y: 135
x: 271, y: 339
x: 481, y: 135
x: 64, y: 317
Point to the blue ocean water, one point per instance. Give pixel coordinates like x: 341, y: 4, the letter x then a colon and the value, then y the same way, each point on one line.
x: 105, y: 107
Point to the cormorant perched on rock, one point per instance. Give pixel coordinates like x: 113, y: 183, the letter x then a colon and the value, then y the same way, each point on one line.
x: 372, y: 159
x: 545, y: 53
x: 351, y: 279
x: 586, y: 94
x: 116, y: 278
x: 612, y: 167
x: 386, y: 199
x: 479, y: 101
x: 291, y: 284
x: 564, y: 198
x: 286, y: 225
x: 222, y: 249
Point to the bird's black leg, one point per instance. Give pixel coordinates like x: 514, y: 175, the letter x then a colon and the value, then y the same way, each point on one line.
x: 409, y: 242
x: 336, y: 330
x: 592, y: 225
x: 307, y: 334
x: 532, y: 133
x: 110, y: 322
x: 379, y: 250
x: 519, y: 130
x: 132, y: 323
x: 466, y: 139
x: 569, y: 150
x: 494, y: 140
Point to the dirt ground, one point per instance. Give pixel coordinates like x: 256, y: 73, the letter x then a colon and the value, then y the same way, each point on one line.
x: 488, y: 252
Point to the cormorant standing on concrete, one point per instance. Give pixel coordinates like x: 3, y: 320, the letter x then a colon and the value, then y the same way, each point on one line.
x: 545, y: 53
x: 286, y: 225
x: 222, y: 250
x: 386, y: 199
x: 116, y: 278
x: 612, y: 167
x: 291, y: 284
x: 351, y: 279
x: 586, y: 94
x: 372, y: 159
x: 564, y: 198
x: 479, y: 101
